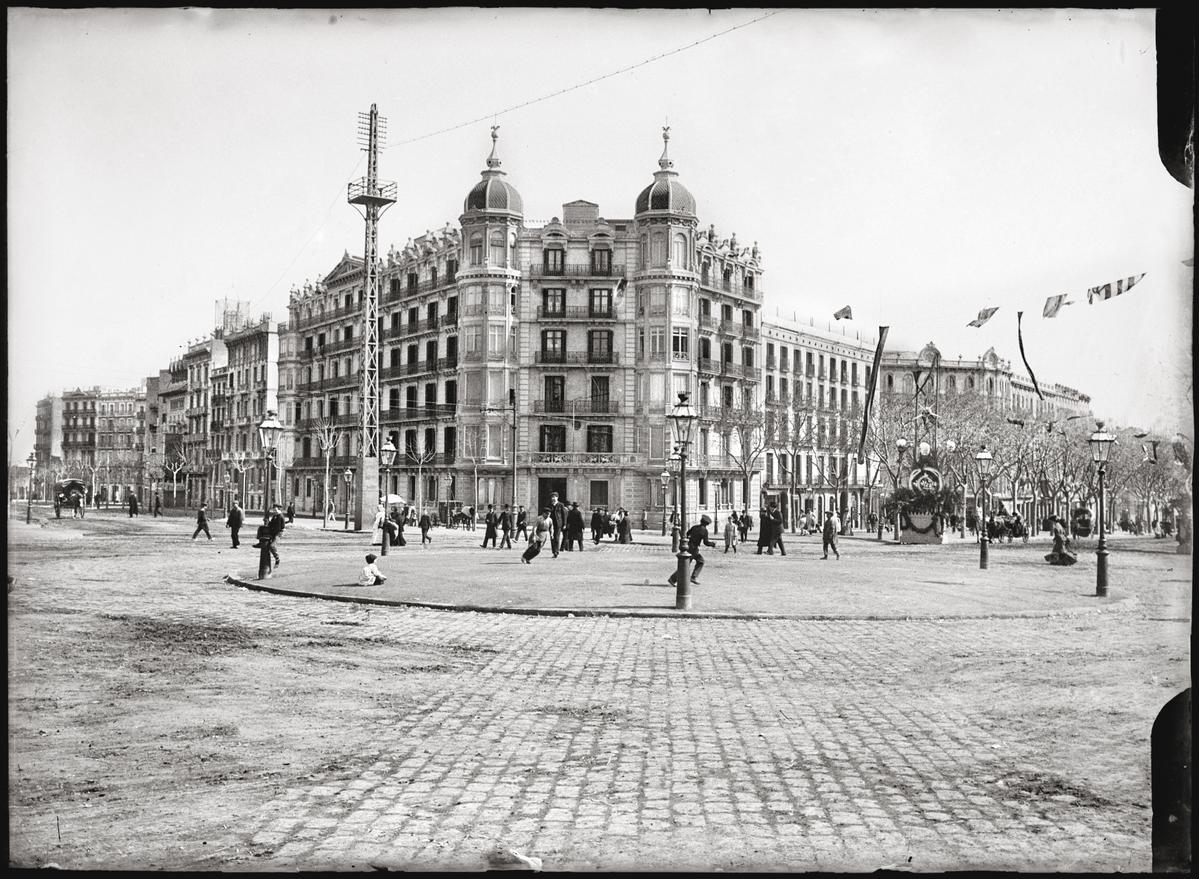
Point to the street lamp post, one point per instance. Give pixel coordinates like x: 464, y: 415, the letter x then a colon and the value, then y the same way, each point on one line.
x: 983, y: 460
x: 268, y: 435
x: 664, y: 478
x: 348, y: 476
x: 32, y: 462
x: 901, y: 446
x: 959, y: 486
x: 684, y: 418
x: 674, y: 525
x: 387, y: 456
x: 1101, y: 444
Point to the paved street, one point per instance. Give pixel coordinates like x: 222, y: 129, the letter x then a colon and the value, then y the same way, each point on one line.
x: 249, y: 730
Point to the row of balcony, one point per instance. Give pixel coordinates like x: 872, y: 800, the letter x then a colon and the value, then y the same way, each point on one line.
x: 417, y: 367
x: 727, y: 286
x: 809, y: 372
x: 418, y: 327
x: 576, y: 357
x: 729, y: 327
x: 575, y: 312
x: 727, y: 368
x: 328, y: 316
x: 403, y: 291
x: 585, y: 406
x: 568, y: 271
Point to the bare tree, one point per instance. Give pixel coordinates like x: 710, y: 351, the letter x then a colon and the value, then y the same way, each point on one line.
x: 746, y: 431
x: 422, y: 455
x: 790, y: 435
x: 174, y: 462
x: 836, y: 437
x: 328, y: 436
x: 473, y: 447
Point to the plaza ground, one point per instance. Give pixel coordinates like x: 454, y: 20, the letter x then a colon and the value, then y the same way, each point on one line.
x: 164, y: 718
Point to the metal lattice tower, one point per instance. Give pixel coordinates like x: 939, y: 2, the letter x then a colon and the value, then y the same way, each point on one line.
x: 373, y: 197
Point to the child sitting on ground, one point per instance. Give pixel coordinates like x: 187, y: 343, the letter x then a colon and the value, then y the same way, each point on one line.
x: 371, y: 575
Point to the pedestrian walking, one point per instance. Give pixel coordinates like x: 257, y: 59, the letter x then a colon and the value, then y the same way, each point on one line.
x: 597, y: 525
x: 490, y: 520
x: 542, y: 531
x: 776, y: 527
x: 522, y: 523
x: 202, y: 522
x: 291, y: 512
x: 132, y: 505
x: 730, y: 533
x: 425, y: 524
x: 506, y: 528
x: 157, y: 505
x: 396, y: 523
x: 574, y: 527
x: 743, y: 523
x: 234, y: 521
x: 625, y: 527
x: 274, y: 530
x: 1060, y: 556
x: 697, y: 535
x: 470, y: 517
x: 371, y: 575
x: 765, y: 538
x: 832, y: 525
x: 557, y: 522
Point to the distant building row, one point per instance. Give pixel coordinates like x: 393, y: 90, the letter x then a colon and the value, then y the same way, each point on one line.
x: 590, y: 326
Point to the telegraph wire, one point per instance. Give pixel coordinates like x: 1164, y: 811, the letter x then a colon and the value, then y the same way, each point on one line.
x: 580, y: 85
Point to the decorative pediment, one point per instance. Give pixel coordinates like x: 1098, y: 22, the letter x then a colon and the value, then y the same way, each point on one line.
x: 347, y: 265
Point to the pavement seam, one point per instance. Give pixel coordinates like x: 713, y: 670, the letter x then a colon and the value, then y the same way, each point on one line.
x: 1109, y: 606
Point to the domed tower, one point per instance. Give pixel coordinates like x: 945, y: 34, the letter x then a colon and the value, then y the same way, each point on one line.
x: 489, y: 289
x: 665, y: 219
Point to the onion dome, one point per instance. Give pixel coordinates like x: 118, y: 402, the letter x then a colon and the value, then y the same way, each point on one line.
x: 666, y: 193
x: 493, y: 193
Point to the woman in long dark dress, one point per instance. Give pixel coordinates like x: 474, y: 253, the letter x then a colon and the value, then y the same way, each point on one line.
x: 1060, y: 555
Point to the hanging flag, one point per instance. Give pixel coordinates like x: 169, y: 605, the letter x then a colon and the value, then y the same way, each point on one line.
x: 1020, y: 339
x: 983, y: 316
x: 1114, y: 288
x: 878, y: 357
x: 1053, y: 305
x: 620, y: 286
x: 845, y: 312
x: 1180, y: 452
x: 1150, y: 454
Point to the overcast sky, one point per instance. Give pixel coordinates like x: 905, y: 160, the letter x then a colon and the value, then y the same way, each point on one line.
x: 917, y: 165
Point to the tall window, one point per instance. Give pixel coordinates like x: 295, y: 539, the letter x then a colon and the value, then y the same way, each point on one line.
x: 657, y: 340
x: 601, y: 261
x: 553, y: 346
x: 599, y: 438
x: 553, y: 301
x: 495, y: 339
x: 553, y: 438
x: 599, y: 492
x: 555, y: 260
x: 599, y: 393
x: 599, y: 346
x: 496, y: 249
x: 555, y: 393
x: 601, y: 302
x: 680, y: 251
x: 476, y: 249
x: 680, y: 347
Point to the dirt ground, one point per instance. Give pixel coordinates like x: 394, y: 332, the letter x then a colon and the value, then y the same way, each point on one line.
x: 151, y: 718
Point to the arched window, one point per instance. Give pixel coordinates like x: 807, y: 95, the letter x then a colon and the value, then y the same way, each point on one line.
x: 680, y: 251
x: 658, y: 255
x: 990, y: 386
x: 476, y: 249
x: 890, y: 383
x: 909, y: 386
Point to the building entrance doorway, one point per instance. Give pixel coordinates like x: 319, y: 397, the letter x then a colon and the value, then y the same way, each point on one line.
x: 547, y: 485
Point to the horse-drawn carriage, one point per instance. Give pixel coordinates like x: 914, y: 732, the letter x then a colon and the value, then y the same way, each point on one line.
x: 69, y: 494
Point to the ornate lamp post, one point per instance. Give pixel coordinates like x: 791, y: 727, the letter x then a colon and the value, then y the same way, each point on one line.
x: 674, y: 527
x: 32, y: 462
x: 664, y: 478
x: 1101, y: 444
x: 268, y: 435
x: 387, y: 456
x: 684, y: 418
x: 901, y: 446
x: 348, y: 476
x: 959, y: 484
x: 983, y: 460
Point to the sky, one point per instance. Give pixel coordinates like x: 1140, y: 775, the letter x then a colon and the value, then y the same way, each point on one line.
x: 917, y: 165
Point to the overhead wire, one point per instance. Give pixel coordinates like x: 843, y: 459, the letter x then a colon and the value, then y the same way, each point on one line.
x: 495, y: 114
x: 580, y: 85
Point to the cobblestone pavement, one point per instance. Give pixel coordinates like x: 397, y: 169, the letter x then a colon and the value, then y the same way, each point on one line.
x: 650, y: 744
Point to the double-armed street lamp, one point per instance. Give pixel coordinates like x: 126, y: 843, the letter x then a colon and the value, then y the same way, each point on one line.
x: 32, y: 462
x: 348, y: 476
x: 387, y: 456
x: 664, y: 478
x: 983, y: 460
x: 1101, y: 444
x: 268, y: 435
x: 684, y: 418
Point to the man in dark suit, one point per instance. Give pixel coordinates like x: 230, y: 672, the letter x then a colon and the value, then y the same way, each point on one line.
x: 234, y: 520
x: 522, y: 523
x: 274, y: 528
x: 765, y: 535
x: 490, y: 520
x: 557, y: 522
x: 506, y: 528
x: 574, y: 527
x: 776, y: 527
x: 597, y: 525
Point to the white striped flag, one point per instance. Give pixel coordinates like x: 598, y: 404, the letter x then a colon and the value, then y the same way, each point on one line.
x: 1114, y: 288
x: 1054, y: 304
x: 983, y: 316
x: 845, y: 312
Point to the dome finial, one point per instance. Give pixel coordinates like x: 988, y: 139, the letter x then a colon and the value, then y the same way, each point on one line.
x: 493, y: 161
x: 664, y: 163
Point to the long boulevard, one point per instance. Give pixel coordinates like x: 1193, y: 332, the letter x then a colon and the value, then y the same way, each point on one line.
x: 164, y: 718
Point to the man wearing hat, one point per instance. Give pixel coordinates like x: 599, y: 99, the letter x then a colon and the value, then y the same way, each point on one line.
x: 831, y: 526
x: 697, y: 535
